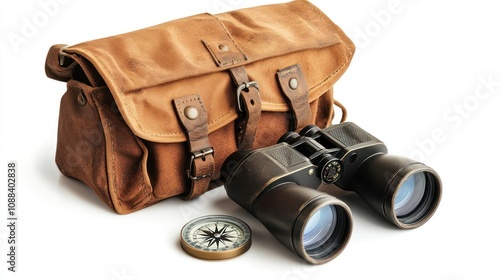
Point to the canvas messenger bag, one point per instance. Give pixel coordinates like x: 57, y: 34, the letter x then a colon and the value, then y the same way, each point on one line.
x: 153, y: 113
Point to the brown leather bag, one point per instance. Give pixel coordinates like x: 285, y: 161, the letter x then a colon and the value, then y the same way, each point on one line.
x: 153, y: 113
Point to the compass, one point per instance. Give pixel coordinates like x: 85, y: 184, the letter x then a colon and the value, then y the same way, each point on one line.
x: 216, y: 237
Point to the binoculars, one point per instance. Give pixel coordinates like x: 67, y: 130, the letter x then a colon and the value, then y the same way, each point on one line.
x: 278, y: 185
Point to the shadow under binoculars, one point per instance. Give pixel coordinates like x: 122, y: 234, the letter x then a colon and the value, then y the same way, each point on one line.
x: 278, y: 186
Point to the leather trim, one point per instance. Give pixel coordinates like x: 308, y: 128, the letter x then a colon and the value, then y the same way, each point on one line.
x: 251, y: 105
x: 294, y: 86
x: 200, y: 160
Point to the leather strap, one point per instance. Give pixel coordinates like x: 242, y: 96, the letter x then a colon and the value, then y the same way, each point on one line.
x: 63, y: 66
x: 293, y: 85
x: 343, y: 109
x: 249, y: 107
x: 57, y: 67
x: 200, y: 163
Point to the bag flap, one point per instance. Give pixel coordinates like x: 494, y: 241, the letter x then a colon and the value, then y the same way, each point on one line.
x: 146, y: 69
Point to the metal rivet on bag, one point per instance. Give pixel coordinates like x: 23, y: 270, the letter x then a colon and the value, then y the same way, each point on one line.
x: 82, y: 100
x: 223, y: 48
x: 293, y: 83
x: 191, y: 112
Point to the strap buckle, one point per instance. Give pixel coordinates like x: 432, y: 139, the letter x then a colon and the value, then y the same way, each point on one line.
x: 198, y: 154
x: 244, y: 86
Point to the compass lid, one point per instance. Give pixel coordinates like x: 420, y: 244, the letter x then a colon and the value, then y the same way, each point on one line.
x: 216, y: 237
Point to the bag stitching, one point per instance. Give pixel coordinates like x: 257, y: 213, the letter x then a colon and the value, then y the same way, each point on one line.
x: 329, y: 77
x: 231, y: 38
x: 113, y: 165
x: 113, y: 174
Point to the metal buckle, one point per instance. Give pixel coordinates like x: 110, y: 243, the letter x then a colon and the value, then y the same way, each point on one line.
x: 242, y: 87
x: 62, y: 54
x: 198, y: 154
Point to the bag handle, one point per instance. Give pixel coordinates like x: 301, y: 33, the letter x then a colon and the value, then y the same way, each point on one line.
x: 342, y: 108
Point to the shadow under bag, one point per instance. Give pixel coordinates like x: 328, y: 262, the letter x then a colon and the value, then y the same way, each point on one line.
x: 153, y: 113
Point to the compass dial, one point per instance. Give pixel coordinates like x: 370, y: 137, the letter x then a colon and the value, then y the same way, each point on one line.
x: 216, y: 237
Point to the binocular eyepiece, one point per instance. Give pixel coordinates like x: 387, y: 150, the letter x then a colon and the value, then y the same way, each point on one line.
x: 278, y: 186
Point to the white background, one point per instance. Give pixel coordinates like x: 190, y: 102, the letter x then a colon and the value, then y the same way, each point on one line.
x: 425, y: 79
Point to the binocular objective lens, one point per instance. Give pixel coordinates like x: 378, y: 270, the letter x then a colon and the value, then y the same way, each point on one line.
x: 319, y: 228
x: 325, y: 233
x: 410, y: 194
x: 404, y: 191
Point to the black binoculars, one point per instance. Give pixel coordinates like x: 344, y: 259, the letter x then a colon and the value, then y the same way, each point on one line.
x: 278, y: 186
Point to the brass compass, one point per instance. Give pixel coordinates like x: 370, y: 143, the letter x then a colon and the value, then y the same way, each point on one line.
x: 216, y: 237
